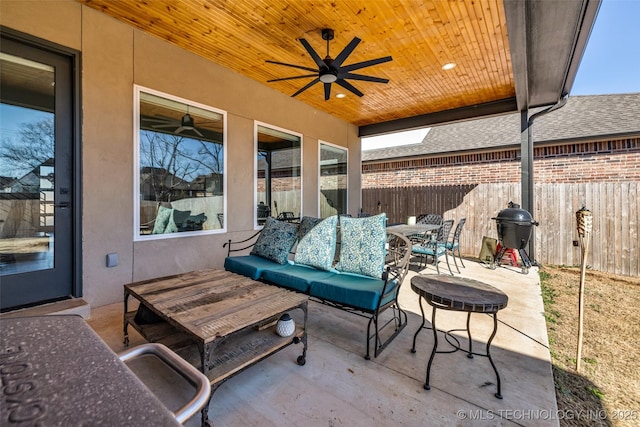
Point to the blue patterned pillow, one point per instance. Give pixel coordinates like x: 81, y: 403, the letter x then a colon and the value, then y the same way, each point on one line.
x: 318, y: 246
x: 162, y: 219
x: 276, y: 240
x: 362, y: 245
x: 306, y: 224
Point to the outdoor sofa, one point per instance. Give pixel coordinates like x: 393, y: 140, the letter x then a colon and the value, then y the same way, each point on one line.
x: 356, y: 266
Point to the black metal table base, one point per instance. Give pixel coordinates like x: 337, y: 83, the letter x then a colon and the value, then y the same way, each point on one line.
x: 456, y: 346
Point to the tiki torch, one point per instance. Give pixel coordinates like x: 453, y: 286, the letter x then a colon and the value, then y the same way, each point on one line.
x: 584, y: 221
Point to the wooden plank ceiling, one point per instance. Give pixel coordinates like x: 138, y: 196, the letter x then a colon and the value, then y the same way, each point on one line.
x: 420, y: 35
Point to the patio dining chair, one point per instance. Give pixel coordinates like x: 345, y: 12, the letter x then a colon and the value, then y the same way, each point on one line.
x: 435, y: 247
x: 454, y: 244
x: 429, y: 219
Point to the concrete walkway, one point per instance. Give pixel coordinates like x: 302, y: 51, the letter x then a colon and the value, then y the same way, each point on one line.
x: 338, y: 387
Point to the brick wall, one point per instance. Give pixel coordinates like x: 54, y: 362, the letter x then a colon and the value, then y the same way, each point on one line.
x: 609, y: 161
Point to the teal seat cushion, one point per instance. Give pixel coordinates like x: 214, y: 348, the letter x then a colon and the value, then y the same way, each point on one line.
x: 251, y: 266
x: 276, y: 240
x: 296, y: 277
x: 362, y: 245
x: 318, y: 247
x: 355, y: 290
x: 433, y: 250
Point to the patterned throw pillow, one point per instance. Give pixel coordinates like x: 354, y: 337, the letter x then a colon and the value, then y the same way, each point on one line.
x: 362, y: 245
x: 276, y: 240
x: 306, y: 224
x: 318, y: 246
x: 162, y: 219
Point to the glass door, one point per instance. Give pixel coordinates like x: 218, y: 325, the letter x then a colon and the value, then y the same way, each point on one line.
x: 36, y: 167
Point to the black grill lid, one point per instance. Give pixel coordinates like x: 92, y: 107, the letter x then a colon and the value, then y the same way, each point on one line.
x: 514, y: 215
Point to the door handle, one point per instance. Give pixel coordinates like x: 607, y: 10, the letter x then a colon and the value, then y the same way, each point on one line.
x: 62, y: 205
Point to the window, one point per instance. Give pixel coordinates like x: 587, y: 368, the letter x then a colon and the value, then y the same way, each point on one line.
x: 278, y: 174
x: 181, y: 159
x: 333, y: 180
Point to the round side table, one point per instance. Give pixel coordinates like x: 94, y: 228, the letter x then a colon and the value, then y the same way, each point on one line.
x: 458, y: 294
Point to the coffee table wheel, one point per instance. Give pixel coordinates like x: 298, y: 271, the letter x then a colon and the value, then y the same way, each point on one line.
x: 427, y: 386
x: 498, y: 395
x: 301, y: 360
x: 413, y: 350
x: 296, y: 340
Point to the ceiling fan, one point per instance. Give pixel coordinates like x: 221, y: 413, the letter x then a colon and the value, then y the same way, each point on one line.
x: 185, y: 123
x: 331, y: 70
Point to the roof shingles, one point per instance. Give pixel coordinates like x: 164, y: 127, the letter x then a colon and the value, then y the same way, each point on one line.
x: 582, y: 117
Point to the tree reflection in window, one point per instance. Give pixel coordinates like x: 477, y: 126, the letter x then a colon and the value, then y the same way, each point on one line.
x: 181, y: 166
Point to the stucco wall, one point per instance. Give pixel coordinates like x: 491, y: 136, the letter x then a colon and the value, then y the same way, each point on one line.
x: 116, y: 56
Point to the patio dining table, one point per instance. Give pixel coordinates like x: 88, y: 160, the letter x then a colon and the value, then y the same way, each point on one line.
x: 413, y: 229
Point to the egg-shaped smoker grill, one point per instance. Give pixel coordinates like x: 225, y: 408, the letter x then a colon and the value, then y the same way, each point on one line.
x: 514, y: 230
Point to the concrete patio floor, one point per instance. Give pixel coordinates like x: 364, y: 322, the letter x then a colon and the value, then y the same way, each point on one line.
x: 337, y: 386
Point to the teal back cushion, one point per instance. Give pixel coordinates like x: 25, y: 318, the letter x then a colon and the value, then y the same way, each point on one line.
x: 276, y: 240
x: 362, y: 245
x: 162, y: 219
x: 318, y: 246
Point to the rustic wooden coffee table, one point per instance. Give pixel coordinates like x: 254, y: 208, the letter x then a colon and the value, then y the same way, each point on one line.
x: 219, y: 321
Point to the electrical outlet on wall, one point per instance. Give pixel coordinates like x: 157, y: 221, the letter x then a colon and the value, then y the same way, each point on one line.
x: 112, y: 260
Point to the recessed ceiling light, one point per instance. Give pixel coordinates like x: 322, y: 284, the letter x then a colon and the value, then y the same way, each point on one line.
x: 449, y: 66
x: 340, y: 95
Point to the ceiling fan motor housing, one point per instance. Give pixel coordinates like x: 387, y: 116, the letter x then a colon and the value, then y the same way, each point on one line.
x: 327, y: 34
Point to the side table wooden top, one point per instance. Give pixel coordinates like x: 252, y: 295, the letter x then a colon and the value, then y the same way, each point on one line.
x: 459, y: 293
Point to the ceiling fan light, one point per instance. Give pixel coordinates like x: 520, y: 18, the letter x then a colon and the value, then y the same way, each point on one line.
x: 341, y: 95
x: 328, y: 76
x: 187, y: 121
x: 449, y: 66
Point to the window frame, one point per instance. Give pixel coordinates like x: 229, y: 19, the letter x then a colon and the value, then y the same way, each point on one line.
x: 256, y: 124
x: 137, y: 237
x: 346, y: 149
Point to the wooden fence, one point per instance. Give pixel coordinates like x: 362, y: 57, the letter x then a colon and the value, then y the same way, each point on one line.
x: 614, y: 246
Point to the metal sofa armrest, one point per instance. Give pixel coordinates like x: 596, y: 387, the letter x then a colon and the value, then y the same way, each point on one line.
x: 245, y: 244
x: 398, y: 256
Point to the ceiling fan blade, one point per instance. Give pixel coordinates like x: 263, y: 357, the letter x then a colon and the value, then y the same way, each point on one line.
x: 293, y: 65
x: 346, y: 52
x: 316, y: 58
x: 294, y: 77
x: 363, y: 64
x: 197, y: 132
x: 166, y: 126
x: 154, y: 120
x: 348, y: 86
x: 327, y: 91
x: 362, y: 77
x: 307, y: 86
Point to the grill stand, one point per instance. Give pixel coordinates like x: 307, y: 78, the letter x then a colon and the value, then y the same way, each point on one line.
x: 526, y: 262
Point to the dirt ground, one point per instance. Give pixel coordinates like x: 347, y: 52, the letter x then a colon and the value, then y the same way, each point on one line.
x: 606, y: 392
